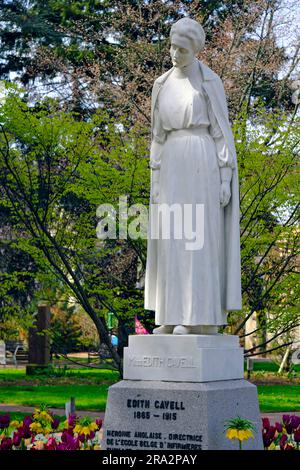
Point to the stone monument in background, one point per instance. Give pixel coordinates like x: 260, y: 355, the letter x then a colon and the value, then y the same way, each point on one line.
x: 183, y: 383
x: 39, y: 342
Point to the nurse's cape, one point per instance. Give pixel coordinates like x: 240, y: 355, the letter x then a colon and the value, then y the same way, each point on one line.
x: 232, y: 301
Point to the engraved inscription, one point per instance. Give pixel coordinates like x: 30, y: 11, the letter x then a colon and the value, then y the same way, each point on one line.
x: 149, y: 420
x: 185, y: 362
x: 154, y: 440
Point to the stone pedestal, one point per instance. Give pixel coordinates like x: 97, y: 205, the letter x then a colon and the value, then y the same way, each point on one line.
x: 178, y: 393
x: 187, y: 358
x: 170, y: 416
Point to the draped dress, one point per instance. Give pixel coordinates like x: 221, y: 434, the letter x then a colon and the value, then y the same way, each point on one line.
x: 188, y: 148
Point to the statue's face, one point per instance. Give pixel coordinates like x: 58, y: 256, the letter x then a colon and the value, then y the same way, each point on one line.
x: 180, y: 56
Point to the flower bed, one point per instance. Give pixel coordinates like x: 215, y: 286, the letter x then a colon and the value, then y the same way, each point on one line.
x: 42, y: 431
x: 282, y: 436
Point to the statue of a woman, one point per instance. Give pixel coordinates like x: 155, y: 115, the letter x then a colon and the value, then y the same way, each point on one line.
x: 193, y: 161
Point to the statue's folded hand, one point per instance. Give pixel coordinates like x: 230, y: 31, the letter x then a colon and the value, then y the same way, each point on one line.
x: 155, y: 192
x: 225, y: 193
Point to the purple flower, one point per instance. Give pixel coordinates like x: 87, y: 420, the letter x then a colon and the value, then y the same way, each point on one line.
x: 72, y: 421
x: 278, y: 427
x: 91, y: 435
x: 68, y: 442
x: 27, y: 421
x: 6, y: 443
x: 60, y: 446
x: 284, y: 444
x: 289, y: 447
x: 297, y: 436
x: 268, y: 436
x: 286, y: 419
x: 266, y: 423
x: 283, y: 441
x: 99, y: 423
x: 291, y: 423
x: 55, y: 423
x: 16, y: 439
x: 69, y: 431
x: 295, y: 421
x: 25, y: 432
x: 64, y: 435
x: 289, y: 428
x: 4, y: 421
x: 81, y: 437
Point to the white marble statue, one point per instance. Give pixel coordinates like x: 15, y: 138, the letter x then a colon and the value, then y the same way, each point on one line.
x: 193, y: 161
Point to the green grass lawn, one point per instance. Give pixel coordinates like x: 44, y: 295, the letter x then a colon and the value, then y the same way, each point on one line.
x: 269, y: 367
x: 279, y: 397
x: 93, y: 397
x: 90, y: 387
x: 76, y: 375
x: 88, y: 397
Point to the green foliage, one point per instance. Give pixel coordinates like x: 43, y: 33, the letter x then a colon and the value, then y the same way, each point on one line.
x: 267, y: 148
x: 65, y: 333
x: 109, y: 52
x: 46, y: 372
x: 55, y: 171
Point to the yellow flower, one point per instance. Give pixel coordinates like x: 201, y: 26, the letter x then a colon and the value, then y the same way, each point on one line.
x: 36, y: 427
x: 16, y: 424
x: 46, y: 416
x: 97, y: 447
x: 85, y: 429
x: 36, y: 413
x: 244, y: 435
x: 240, y: 434
x: 77, y: 428
x: 42, y: 415
x: 232, y: 434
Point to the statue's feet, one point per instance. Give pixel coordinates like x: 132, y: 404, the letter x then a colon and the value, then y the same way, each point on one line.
x: 183, y: 330
x: 195, y: 330
x: 163, y: 330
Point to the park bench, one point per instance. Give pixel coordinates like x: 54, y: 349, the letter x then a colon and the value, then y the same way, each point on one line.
x: 102, y: 354
x: 16, y: 352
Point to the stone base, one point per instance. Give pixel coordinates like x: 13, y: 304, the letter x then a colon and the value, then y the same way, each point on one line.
x: 178, y: 416
x: 186, y: 358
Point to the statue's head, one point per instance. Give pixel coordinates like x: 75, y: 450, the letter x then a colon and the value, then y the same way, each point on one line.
x: 187, y: 39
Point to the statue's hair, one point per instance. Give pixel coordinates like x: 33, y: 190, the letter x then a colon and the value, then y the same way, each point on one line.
x: 191, y: 30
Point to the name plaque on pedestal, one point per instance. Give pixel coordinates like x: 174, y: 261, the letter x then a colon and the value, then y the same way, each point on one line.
x: 143, y: 415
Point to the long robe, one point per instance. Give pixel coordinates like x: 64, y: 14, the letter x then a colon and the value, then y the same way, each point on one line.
x: 195, y: 287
